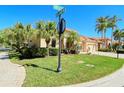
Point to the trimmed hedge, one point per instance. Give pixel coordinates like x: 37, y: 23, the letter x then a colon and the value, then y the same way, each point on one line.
x: 70, y: 51
x: 30, y: 53
x: 53, y: 51
x: 120, y: 51
x: 105, y: 50
x: 42, y: 52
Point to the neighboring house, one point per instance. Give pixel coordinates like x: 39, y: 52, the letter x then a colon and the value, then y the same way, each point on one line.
x: 89, y: 44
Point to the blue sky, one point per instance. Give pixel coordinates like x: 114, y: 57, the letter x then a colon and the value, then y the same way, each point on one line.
x: 80, y: 18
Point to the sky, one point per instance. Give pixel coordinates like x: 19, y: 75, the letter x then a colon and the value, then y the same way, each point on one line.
x: 81, y: 18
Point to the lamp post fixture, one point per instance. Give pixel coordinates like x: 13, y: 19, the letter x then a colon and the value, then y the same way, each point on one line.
x: 61, y: 28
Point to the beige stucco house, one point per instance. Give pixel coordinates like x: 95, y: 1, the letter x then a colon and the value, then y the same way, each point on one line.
x: 87, y: 44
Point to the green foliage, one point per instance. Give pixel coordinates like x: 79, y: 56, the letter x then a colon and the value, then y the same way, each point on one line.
x: 123, y: 46
x: 42, y: 52
x: 114, y: 46
x: 53, y: 51
x: 23, y: 38
x: 72, y: 40
x: 14, y: 54
x: 46, y: 30
x: 70, y: 51
x: 34, y: 52
x: 27, y: 53
x: 105, y: 50
x: 120, y: 51
x: 102, y: 25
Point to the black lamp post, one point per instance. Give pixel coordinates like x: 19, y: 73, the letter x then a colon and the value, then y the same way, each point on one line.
x: 61, y: 28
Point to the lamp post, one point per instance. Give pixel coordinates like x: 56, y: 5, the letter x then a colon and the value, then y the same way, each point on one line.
x: 61, y: 28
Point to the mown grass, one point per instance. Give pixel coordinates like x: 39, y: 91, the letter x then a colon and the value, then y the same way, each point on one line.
x: 42, y: 71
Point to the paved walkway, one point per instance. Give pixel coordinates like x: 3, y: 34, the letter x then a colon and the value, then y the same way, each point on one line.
x: 110, y: 54
x: 115, y: 79
x: 11, y: 75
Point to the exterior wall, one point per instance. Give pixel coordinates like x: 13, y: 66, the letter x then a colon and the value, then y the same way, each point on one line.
x: 35, y: 42
x: 88, y: 46
x: 91, y: 47
x: 42, y: 43
x: 83, y: 47
x: 65, y: 43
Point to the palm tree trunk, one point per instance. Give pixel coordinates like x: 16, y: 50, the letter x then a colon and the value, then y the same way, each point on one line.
x: 119, y: 40
x: 103, y: 39
x: 47, y: 46
x: 112, y: 38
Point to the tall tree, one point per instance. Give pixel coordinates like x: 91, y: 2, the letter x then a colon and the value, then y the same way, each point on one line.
x: 49, y: 32
x: 113, y: 25
x: 101, y: 27
x: 1, y: 38
x: 72, y: 40
x: 40, y: 30
x: 118, y: 34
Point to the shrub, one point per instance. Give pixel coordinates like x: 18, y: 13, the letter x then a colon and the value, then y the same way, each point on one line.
x: 26, y: 53
x: 105, y: 50
x: 42, y: 52
x: 70, y: 51
x: 34, y: 52
x: 14, y: 54
x: 53, y: 51
x: 65, y: 51
x: 120, y: 51
x: 114, y: 46
x: 74, y: 52
x: 123, y: 46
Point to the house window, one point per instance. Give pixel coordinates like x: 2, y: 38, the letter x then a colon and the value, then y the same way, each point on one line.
x: 53, y: 42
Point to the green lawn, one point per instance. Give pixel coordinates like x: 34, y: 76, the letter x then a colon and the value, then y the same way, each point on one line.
x: 75, y: 69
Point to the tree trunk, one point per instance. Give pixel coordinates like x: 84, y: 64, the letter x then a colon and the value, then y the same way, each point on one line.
x: 119, y: 40
x: 47, y: 46
x: 112, y: 37
x: 103, y: 38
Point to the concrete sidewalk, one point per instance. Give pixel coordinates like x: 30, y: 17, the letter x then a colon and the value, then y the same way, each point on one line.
x: 11, y: 75
x: 110, y: 54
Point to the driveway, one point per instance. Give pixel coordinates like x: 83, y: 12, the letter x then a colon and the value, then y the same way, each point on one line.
x: 11, y: 75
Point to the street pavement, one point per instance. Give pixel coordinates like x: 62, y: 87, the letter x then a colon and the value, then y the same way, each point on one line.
x: 11, y: 75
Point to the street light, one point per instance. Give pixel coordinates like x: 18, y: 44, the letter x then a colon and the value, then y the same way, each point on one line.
x: 61, y: 28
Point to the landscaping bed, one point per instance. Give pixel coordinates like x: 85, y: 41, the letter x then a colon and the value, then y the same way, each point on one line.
x: 75, y: 69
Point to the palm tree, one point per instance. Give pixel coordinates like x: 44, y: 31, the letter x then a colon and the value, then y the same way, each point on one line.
x: 123, y: 37
x: 2, y: 38
x: 30, y: 34
x: 113, y: 24
x: 40, y: 30
x: 49, y: 32
x: 118, y: 34
x: 101, y: 27
x: 72, y: 40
